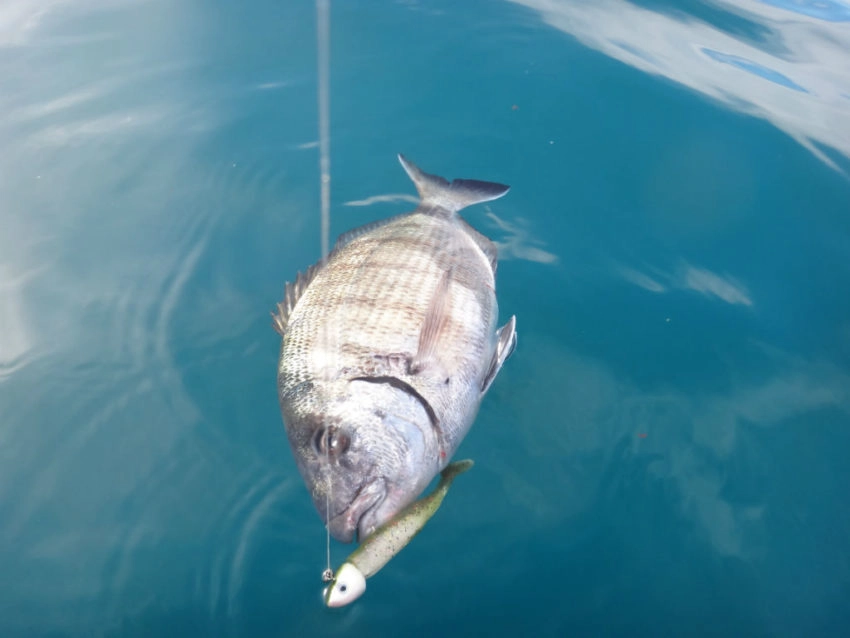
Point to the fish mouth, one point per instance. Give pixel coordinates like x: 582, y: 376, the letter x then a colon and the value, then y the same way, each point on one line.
x: 343, y: 525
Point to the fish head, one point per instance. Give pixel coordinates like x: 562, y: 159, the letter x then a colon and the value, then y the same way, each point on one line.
x: 365, y: 451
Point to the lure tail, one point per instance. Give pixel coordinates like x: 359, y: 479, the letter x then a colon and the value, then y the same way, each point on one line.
x: 456, y: 468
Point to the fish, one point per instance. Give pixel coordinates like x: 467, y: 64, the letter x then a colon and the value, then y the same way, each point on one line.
x: 387, y: 348
x: 349, y: 583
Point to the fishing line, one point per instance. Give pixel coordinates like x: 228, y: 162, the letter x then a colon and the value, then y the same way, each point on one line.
x: 323, y: 11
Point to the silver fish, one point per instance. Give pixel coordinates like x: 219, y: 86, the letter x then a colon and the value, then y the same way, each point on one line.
x: 388, y: 347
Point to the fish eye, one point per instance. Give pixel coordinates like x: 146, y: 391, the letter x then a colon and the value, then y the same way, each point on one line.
x: 331, y: 441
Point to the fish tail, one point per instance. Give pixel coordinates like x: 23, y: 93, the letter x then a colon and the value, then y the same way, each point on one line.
x: 438, y: 194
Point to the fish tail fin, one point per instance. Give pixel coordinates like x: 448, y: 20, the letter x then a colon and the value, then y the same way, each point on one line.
x: 437, y: 193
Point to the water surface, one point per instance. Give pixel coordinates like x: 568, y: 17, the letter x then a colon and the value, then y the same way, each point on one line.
x: 665, y: 453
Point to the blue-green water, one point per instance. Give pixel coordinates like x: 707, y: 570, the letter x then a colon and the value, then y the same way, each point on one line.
x: 666, y: 452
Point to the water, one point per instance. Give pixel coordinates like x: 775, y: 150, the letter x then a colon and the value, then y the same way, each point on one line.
x: 665, y: 454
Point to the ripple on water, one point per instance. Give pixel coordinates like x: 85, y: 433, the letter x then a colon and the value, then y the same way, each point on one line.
x: 98, y: 429
x: 121, y: 490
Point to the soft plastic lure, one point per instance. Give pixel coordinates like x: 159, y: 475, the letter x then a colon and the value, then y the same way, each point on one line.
x: 387, y: 541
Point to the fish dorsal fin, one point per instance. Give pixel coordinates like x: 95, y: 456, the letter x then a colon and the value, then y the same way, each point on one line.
x: 349, y: 236
x: 505, y: 345
x: 292, y: 294
x: 438, y: 194
x: 436, y: 318
x: 295, y: 289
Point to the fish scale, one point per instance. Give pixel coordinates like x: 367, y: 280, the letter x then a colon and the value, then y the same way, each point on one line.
x: 382, y: 308
x: 388, y: 348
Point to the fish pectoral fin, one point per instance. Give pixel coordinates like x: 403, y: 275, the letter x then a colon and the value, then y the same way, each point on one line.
x: 505, y: 345
x: 436, y: 320
x: 292, y: 294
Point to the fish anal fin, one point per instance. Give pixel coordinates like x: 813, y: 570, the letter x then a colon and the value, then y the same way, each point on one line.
x: 436, y: 319
x: 292, y: 293
x: 505, y: 345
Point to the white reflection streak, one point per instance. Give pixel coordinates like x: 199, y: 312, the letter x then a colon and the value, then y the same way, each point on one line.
x: 270, y: 86
x: 519, y: 244
x: 390, y: 198
x: 641, y: 280
x: 59, y: 135
x: 50, y: 107
x: 692, y: 278
x: 708, y: 283
x: 15, y: 338
x: 818, y: 60
x: 20, y: 19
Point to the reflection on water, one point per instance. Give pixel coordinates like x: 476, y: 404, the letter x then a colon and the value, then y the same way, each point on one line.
x: 830, y: 10
x: 516, y: 241
x: 112, y: 474
x: 15, y: 340
x: 794, y: 75
x: 688, y: 277
x: 686, y: 438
